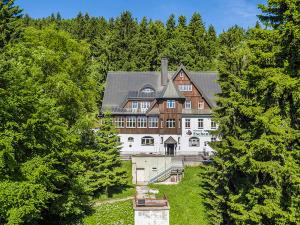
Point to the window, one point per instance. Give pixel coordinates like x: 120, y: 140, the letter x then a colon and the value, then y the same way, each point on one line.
x: 145, y: 106
x: 147, y: 90
x: 131, y: 122
x: 194, y: 142
x: 201, y: 105
x: 185, y: 87
x: 120, y: 122
x: 170, y: 123
x: 213, y: 124
x: 161, y: 140
x: 171, y: 104
x: 154, y: 168
x: 142, y: 122
x: 187, y: 104
x: 188, y: 123
x: 134, y: 106
x: 213, y: 139
x: 153, y: 122
x: 130, y: 139
x: 200, y: 123
x: 147, y: 140
x: 181, y: 74
x: 178, y: 140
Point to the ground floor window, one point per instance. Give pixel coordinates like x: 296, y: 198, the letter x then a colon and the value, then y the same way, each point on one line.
x: 170, y: 123
x: 153, y: 122
x: 187, y: 123
x: 200, y: 123
x: 194, y: 142
x: 142, y: 122
x: 213, y: 124
x: 213, y: 139
x: 147, y: 140
x: 130, y: 139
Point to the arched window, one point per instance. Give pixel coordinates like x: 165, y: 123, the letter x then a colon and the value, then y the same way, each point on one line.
x: 147, y: 90
x: 130, y: 139
x: 194, y: 142
x: 147, y: 140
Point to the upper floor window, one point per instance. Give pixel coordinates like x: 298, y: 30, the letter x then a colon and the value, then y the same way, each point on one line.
x: 147, y: 140
x: 134, y: 106
x: 171, y: 104
x: 142, y: 122
x: 187, y: 104
x: 200, y: 123
x: 181, y: 74
x: 170, y: 123
x: 194, y: 142
x: 185, y: 87
x: 213, y: 124
x: 145, y: 106
x: 120, y: 122
x: 153, y: 122
x: 201, y: 104
x: 131, y: 122
x: 147, y: 90
x: 187, y: 123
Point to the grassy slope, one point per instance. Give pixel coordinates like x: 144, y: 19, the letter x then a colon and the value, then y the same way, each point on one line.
x: 119, y: 213
x: 129, y: 191
x: 186, y: 203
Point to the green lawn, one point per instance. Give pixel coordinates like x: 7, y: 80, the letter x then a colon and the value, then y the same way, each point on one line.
x: 124, y: 192
x: 118, y: 213
x: 186, y: 204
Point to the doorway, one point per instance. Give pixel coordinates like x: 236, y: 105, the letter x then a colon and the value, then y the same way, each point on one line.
x: 170, y: 149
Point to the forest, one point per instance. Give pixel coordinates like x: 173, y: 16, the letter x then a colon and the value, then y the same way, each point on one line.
x: 52, y: 77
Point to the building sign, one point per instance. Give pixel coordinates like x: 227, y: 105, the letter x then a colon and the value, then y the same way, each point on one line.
x: 201, y: 133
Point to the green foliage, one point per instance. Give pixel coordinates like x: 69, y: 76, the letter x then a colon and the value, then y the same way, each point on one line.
x: 185, y: 198
x: 254, y: 179
x: 9, y: 22
x: 51, y: 162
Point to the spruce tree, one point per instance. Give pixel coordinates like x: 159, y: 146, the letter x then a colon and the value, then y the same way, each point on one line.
x: 9, y: 22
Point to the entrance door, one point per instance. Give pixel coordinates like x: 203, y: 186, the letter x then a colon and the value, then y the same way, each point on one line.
x: 170, y: 149
x: 140, y: 175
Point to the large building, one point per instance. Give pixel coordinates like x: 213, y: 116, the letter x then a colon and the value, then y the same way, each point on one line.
x: 163, y: 112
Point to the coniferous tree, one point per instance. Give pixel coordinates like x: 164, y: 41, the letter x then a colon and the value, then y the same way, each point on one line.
x: 9, y: 22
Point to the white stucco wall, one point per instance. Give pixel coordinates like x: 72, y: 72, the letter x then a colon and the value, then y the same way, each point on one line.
x: 151, y: 217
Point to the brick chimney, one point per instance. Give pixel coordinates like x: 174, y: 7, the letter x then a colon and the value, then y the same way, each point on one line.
x: 164, y: 71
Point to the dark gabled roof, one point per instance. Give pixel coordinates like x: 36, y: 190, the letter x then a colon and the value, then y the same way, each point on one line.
x: 170, y: 91
x: 121, y: 85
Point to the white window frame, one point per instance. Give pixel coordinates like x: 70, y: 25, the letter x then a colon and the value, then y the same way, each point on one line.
x: 194, y: 142
x: 213, y: 125
x: 188, y: 104
x: 185, y: 87
x: 187, y: 123
x: 200, y: 123
x: 120, y: 122
x: 147, y: 141
x: 147, y: 90
x: 142, y: 122
x: 131, y: 122
x: 145, y: 106
x: 201, y: 104
x: 153, y: 122
x: 130, y: 139
x: 171, y: 104
x: 134, y: 106
x: 170, y: 123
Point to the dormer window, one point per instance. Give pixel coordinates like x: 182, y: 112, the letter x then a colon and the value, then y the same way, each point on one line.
x: 147, y: 90
x: 134, y: 106
x: 171, y: 104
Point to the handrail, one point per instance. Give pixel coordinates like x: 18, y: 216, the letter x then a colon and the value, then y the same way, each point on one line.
x: 166, y: 170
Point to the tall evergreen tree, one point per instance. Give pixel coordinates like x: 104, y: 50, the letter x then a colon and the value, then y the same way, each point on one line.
x: 254, y: 178
x: 9, y: 22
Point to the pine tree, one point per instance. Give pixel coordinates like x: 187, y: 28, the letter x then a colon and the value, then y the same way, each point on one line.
x: 9, y: 22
